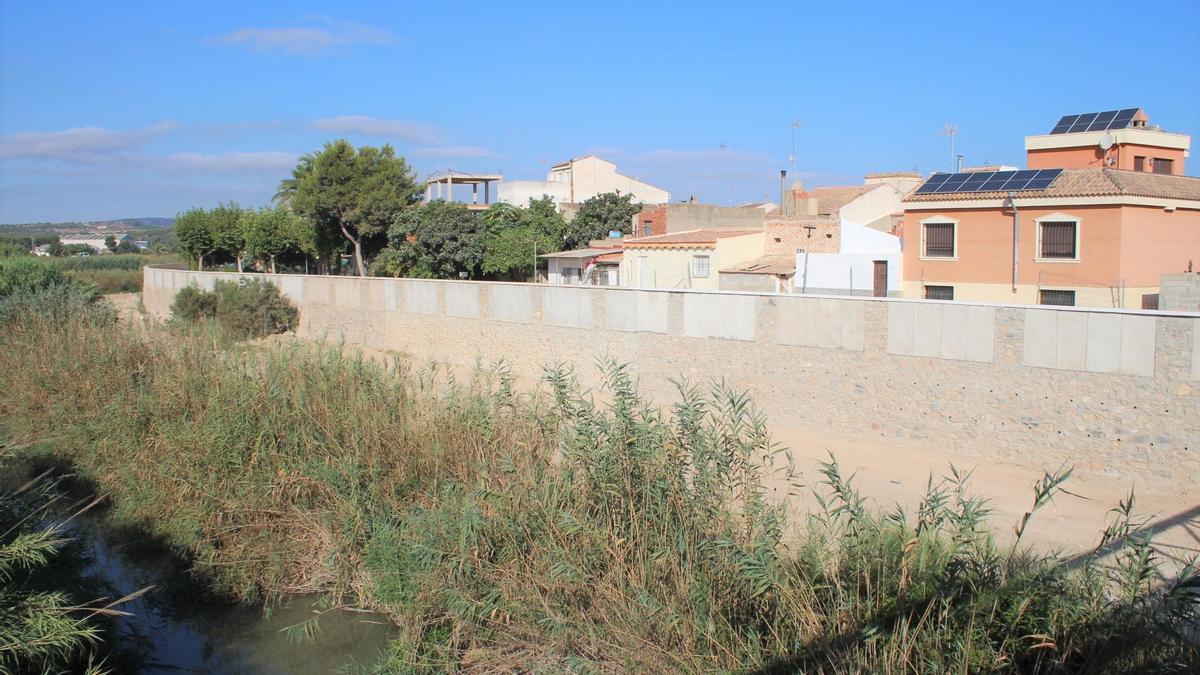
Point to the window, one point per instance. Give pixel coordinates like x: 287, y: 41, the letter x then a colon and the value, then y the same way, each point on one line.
x: 1164, y: 166
x: 700, y: 266
x: 939, y: 292
x: 939, y: 240
x: 1057, y: 239
x: 1139, y: 163
x: 647, y: 227
x: 1053, y: 297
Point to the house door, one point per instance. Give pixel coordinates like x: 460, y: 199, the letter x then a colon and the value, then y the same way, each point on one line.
x: 881, y: 289
x: 643, y: 271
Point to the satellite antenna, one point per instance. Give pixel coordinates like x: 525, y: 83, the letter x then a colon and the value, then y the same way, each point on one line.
x: 1106, y: 141
x: 792, y: 157
x: 950, y: 130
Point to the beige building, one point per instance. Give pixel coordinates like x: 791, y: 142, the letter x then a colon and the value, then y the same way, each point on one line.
x: 578, y: 180
x: 687, y: 259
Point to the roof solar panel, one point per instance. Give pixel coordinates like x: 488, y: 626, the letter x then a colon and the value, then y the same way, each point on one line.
x: 1064, y: 124
x: 1103, y: 120
x: 1111, y: 119
x: 989, y: 181
x: 1083, y: 122
x: 1124, y: 118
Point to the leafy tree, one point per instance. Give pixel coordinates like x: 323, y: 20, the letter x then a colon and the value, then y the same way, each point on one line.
x: 207, y: 234
x: 598, y: 216
x: 127, y: 246
x: 440, y: 239
x: 110, y: 243
x: 357, y: 193
x: 273, y: 232
x: 516, y: 236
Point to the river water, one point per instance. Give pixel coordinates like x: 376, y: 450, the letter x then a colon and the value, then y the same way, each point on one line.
x: 179, y: 627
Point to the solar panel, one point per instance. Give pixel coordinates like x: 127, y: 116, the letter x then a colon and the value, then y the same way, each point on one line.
x: 1110, y: 119
x: 989, y: 181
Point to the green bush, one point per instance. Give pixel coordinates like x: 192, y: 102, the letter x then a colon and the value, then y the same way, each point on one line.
x: 244, y: 309
x: 28, y: 274
x: 194, y: 304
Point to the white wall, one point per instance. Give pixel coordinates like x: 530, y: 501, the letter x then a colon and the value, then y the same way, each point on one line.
x: 853, y: 269
x: 878, y: 203
x: 519, y: 192
x: 584, y: 179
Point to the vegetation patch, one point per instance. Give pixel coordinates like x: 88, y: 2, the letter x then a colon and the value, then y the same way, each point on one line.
x: 243, y: 309
x: 554, y: 532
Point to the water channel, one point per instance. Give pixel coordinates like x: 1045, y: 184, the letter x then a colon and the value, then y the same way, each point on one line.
x: 179, y: 626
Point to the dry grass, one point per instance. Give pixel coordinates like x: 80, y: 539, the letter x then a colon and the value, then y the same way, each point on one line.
x: 514, y: 532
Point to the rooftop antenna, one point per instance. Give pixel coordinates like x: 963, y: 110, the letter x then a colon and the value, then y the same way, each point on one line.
x: 950, y: 130
x: 792, y: 157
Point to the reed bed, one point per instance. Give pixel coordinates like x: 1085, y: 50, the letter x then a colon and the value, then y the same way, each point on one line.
x: 576, y: 529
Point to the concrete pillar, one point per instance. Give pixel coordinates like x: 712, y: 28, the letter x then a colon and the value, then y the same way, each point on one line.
x: 474, y: 193
x: 486, y: 186
x: 429, y: 192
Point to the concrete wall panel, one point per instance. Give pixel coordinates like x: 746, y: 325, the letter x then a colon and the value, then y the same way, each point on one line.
x: 900, y: 328
x: 512, y: 303
x: 293, y: 288
x: 462, y: 300
x: 1041, y: 338
x: 1104, y: 343
x: 820, y: 322
x: 635, y: 310
x: 1072, y: 340
x: 391, y: 295
x: 721, y: 316
x: 565, y: 306
x: 1138, y: 335
x: 981, y: 334
x: 420, y: 297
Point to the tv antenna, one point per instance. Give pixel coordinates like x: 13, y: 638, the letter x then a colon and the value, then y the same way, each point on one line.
x: 792, y: 157
x: 950, y: 130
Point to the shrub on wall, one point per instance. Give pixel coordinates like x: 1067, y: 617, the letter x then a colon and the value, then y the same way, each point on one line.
x: 193, y: 304
x: 244, y: 309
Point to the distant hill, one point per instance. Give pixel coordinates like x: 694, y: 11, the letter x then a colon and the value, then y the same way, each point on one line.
x: 118, y: 224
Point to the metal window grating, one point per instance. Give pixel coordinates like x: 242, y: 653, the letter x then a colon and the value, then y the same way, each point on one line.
x: 1055, y: 297
x: 939, y: 240
x: 939, y: 292
x: 1058, y: 239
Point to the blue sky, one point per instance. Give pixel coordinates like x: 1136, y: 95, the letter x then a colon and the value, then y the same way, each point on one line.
x: 120, y: 109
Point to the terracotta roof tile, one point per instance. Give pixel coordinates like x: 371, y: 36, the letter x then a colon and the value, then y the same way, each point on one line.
x: 1089, y: 183
x: 691, y: 237
x: 767, y: 264
x: 830, y: 199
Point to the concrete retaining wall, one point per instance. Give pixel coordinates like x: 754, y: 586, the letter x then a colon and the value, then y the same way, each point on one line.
x: 1109, y: 391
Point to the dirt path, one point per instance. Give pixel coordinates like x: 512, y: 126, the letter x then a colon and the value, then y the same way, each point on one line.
x: 128, y: 304
x: 890, y: 474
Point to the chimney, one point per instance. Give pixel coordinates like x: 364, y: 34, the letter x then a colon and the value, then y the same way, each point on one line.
x: 794, y: 201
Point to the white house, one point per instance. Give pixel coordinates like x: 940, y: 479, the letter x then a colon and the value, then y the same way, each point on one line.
x: 593, y: 266
x: 578, y: 180
x: 868, y: 262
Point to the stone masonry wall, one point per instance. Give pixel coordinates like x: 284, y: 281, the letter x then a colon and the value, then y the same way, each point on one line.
x: 1108, y: 391
x: 1180, y: 292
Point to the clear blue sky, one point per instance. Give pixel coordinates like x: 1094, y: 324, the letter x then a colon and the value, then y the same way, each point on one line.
x: 116, y: 109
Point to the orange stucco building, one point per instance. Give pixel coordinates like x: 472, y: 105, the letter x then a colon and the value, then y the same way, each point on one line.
x: 1100, y: 235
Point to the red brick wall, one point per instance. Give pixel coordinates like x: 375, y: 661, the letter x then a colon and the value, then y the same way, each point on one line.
x: 784, y: 236
x: 656, y: 217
